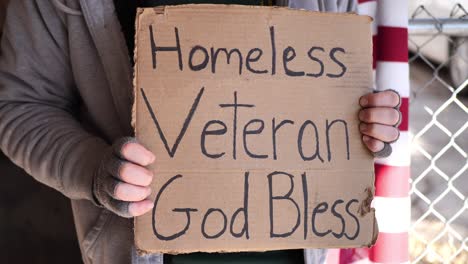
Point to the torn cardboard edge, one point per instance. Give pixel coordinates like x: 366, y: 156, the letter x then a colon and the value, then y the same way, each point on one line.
x: 364, y: 209
x: 164, y: 10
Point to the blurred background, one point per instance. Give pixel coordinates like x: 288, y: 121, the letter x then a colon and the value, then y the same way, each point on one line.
x: 438, y: 59
x: 36, y: 225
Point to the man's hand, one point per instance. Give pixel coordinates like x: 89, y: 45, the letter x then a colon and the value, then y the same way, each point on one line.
x: 121, y: 184
x: 380, y: 118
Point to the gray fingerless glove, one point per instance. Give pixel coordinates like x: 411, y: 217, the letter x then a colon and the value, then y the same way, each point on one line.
x: 387, y: 149
x: 107, y: 177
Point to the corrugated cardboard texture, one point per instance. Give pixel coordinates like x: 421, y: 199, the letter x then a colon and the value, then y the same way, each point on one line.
x: 260, y: 153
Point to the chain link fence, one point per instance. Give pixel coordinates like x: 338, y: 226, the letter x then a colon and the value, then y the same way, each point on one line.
x: 438, y: 41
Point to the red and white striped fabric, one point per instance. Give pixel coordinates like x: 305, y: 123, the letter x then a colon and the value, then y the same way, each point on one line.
x: 391, y: 200
x: 392, y: 203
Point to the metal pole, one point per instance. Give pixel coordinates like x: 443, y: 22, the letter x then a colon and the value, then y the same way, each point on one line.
x: 430, y: 26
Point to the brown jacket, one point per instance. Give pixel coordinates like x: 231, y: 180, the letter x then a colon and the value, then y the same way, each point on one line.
x: 65, y: 95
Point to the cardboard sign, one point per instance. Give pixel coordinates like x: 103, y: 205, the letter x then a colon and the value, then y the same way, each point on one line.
x: 252, y: 115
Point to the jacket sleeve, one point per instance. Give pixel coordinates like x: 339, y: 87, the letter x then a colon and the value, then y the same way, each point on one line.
x: 39, y: 128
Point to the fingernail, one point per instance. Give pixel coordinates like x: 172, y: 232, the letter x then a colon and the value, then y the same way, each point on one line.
x: 361, y: 115
x: 150, y: 176
x: 150, y: 205
x: 363, y: 101
x: 363, y: 127
x: 152, y: 157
